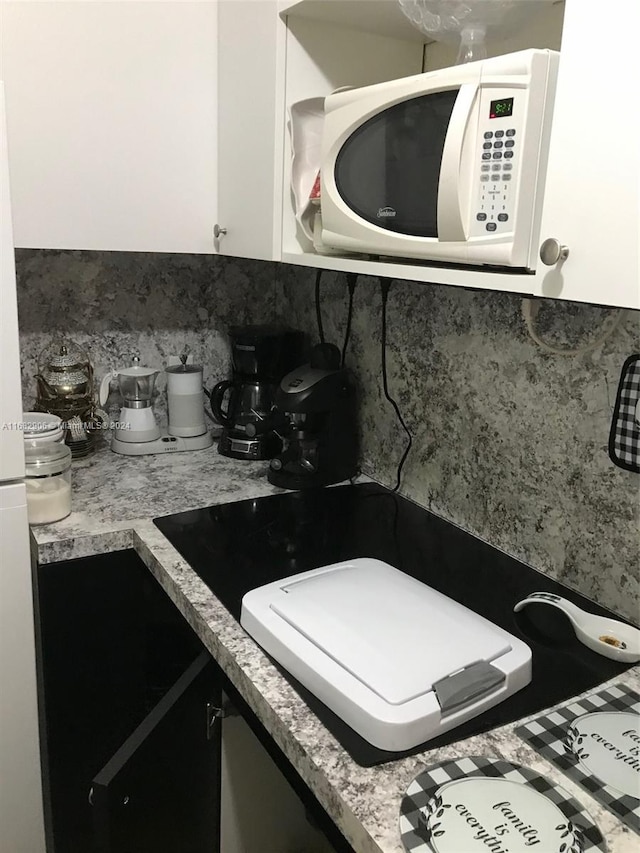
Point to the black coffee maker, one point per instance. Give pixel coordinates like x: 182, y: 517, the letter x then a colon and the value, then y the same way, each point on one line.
x: 316, y: 416
x: 260, y: 355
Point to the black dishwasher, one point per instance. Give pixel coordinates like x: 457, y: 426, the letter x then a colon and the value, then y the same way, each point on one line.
x: 238, y: 546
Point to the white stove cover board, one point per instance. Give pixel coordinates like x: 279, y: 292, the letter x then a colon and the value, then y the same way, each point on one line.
x: 396, y: 660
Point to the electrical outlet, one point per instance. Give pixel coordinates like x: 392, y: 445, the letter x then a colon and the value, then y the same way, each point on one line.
x: 175, y: 359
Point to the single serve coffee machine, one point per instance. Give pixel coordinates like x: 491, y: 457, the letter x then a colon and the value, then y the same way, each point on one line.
x: 316, y: 417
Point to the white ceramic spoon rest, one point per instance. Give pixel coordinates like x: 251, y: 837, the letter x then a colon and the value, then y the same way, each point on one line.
x: 607, y: 637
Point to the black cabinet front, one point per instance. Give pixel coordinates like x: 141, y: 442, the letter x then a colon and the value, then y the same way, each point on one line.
x: 131, y: 762
x: 131, y: 725
x: 158, y: 793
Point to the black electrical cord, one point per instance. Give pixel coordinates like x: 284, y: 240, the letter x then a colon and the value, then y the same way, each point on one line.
x: 318, y: 314
x: 385, y: 285
x: 352, y: 280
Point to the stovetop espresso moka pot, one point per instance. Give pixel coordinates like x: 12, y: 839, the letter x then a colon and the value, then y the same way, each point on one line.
x: 261, y: 355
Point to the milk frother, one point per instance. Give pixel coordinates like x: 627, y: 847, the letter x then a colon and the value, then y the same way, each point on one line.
x: 185, y: 400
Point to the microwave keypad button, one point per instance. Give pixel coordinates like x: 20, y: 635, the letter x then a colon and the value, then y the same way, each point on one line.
x: 507, y: 167
x: 497, y: 155
x: 491, y: 226
x: 511, y: 132
x: 484, y: 177
x: 499, y: 134
x: 495, y: 167
x: 507, y: 154
x: 486, y: 155
x: 485, y: 167
x: 507, y: 177
x: 509, y: 143
x: 495, y: 177
x: 499, y: 144
x: 486, y: 145
x: 502, y: 217
x: 481, y: 217
x: 489, y: 133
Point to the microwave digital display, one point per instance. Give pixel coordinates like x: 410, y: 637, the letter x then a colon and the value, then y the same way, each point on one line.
x: 501, y: 108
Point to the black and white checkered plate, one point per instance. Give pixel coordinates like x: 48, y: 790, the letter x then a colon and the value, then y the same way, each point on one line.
x: 414, y: 807
x: 548, y: 734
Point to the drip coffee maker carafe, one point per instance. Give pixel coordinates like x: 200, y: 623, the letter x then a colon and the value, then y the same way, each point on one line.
x: 261, y: 355
x: 137, y: 432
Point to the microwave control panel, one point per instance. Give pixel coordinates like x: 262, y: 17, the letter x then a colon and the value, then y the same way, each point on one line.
x: 497, y: 166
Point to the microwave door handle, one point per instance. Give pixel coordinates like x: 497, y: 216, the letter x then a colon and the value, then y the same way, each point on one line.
x: 455, y: 187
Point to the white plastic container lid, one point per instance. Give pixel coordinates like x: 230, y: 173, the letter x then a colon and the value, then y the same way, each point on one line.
x: 398, y: 661
x: 47, y: 460
x: 41, y: 427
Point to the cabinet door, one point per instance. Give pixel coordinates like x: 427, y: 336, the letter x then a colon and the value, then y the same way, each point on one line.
x: 111, y: 117
x: 110, y: 645
x: 160, y: 792
x: 251, y: 48
x: 591, y: 197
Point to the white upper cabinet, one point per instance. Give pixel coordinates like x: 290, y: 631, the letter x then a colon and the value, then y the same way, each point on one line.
x: 251, y: 62
x: 142, y: 125
x: 316, y: 46
x: 111, y: 112
x: 592, y: 201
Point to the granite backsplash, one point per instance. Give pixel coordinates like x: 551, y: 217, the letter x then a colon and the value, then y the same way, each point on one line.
x: 509, y: 442
x: 120, y: 304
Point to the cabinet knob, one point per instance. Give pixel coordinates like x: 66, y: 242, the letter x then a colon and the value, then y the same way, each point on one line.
x: 553, y: 251
x: 218, y: 231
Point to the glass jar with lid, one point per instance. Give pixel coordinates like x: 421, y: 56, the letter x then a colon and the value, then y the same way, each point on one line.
x: 40, y: 428
x: 48, y: 482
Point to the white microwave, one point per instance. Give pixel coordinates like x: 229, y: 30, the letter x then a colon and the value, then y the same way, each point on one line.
x: 446, y: 166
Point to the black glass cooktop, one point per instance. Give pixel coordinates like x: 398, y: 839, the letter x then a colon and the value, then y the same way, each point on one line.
x: 238, y: 546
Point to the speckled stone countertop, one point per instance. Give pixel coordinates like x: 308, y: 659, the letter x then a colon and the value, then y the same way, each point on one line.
x: 115, y: 499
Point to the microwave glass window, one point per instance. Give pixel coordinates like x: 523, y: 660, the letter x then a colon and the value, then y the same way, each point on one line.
x: 388, y: 170
x: 501, y: 108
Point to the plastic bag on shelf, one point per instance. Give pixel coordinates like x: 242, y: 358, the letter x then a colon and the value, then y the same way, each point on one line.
x: 468, y: 22
x: 306, y: 120
x: 305, y: 126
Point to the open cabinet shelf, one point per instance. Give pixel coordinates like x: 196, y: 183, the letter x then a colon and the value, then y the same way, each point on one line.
x: 512, y: 282
x: 309, y: 48
x: 384, y: 17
